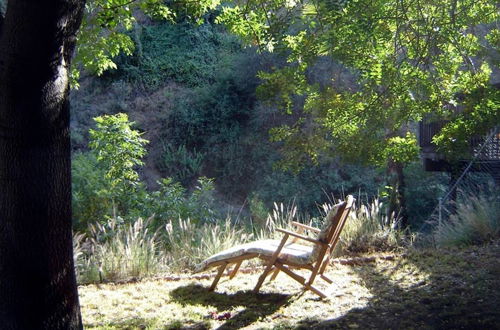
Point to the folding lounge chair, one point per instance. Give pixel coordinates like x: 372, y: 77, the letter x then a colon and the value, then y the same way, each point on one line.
x: 286, y: 254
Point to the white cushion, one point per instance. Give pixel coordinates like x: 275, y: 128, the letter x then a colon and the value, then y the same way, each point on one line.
x: 296, y: 253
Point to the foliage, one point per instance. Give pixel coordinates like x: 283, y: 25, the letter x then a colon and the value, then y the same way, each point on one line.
x: 313, y: 185
x: 193, y: 89
x: 422, y: 191
x: 120, y: 150
x: 279, y: 217
x: 214, y: 120
x: 455, y: 135
x: 182, y: 165
x: 93, y: 201
x: 410, y: 60
x: 119, y: 147
x: 91, y: 196
x: 106, y: 182
x: 102, y: 35
x: 370, y: 229
x: 476, y: 221
x: 171, y: 202
x: 189, y: 54
x: 117, y: 251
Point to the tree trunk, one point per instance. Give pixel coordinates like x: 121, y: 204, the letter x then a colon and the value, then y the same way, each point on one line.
x: 397, y: 201
x: 37, y: 279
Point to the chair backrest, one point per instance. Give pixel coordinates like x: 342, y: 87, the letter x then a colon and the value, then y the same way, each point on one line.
x: 334, y: 222
x: 335, y: 234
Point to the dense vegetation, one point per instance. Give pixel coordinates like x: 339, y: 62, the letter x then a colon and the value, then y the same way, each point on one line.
x: 290, y: 103
x: 197, y: 105
x: 144, y: 201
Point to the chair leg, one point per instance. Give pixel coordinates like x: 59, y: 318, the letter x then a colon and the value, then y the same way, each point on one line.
x: 316, y: 291
x: 217, y: 277
x: 324, y: 264
x: 326, y: 278
x: 275, y: 274
x: 270, y: 263
x: 262, y: 278
x: 235, y: 270
x: 301, y: 280
x: 294, y: 276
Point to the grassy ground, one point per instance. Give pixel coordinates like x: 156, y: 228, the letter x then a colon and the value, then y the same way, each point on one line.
x: 456, y: 289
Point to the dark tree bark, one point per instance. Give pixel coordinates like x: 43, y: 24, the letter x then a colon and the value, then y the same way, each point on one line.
x: 397, y: 200
x: 37, y: 280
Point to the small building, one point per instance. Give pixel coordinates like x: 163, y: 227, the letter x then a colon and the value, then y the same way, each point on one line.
x: 485, y: 158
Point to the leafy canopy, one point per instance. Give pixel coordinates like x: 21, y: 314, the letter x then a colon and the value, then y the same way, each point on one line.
x: 409, y: 60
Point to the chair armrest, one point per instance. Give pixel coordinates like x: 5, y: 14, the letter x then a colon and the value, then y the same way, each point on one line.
x: 309, y: 239
x: 298, y: 224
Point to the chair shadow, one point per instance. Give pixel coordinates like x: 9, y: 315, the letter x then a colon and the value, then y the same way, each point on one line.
x: 256, y: 305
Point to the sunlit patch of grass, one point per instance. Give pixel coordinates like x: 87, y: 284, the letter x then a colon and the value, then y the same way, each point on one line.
x: 420, y: 289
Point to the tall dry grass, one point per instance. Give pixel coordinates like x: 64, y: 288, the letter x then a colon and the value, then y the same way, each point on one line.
x: 115, y: 251
x: 188, y: 244
x: 369, y: 229
x: 476, y: 221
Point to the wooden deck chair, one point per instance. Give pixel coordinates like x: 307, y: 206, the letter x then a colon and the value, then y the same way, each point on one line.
x: 287, y: 254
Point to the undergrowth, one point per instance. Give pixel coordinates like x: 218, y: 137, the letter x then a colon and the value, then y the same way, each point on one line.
x: 476, y: 221
x: 117, y: 250
x: 188, y: 244
x: 370, y: 229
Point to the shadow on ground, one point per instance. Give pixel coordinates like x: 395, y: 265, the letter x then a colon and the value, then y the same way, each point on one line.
x: 255, y: 306
x: 430, y: 289
x: 461, y: 291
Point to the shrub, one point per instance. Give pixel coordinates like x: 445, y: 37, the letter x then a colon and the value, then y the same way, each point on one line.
x: 171, y: 201
x: 181, y: 164
x: 369, y: 229
x: 279, y: 217
x: 422, y: 191
x: 106, y: 182
x: 120, y: 149
x: 187, y: 53
x: 91, y: 197
x: 117, y: 251
x: 476, y: 221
